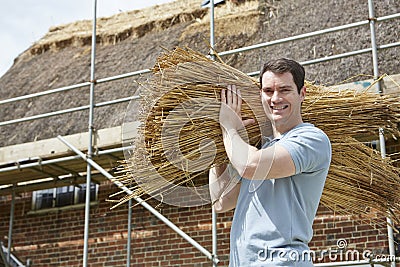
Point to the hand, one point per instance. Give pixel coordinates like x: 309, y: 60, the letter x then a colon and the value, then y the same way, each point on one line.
x: 230, y: 113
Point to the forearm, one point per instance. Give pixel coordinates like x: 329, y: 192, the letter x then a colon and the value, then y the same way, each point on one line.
x: 257, y: 164
x: 241, y: 155
x: 224, y: 189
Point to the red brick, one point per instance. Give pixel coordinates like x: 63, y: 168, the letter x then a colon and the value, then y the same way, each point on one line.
x: 58, y: 236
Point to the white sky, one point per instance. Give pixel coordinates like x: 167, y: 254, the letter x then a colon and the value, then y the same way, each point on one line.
x: 22, y: 22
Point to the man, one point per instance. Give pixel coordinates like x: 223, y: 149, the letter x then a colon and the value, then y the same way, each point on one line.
x: 275, y: 190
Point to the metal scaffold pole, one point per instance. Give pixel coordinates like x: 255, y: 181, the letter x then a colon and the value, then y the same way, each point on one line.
x: 139, y: 200
x: 90, y: 141
x: 382, y: 145
x: 374, y: 50
x: 213, y: 213
x: 10, y: 227
x: 129, y: 238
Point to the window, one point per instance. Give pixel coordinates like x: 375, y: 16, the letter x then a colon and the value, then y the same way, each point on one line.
x: 62, y: 196
x: 44, y: 199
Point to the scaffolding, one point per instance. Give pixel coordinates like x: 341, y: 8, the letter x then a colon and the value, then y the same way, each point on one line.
x: 53, y: 167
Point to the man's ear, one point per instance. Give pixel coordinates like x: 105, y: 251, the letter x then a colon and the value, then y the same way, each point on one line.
x: 303, y: 92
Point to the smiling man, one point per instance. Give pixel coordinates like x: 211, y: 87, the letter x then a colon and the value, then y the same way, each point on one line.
x: 275, y: 190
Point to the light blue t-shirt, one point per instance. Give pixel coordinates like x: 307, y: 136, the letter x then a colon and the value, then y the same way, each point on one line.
x: 273, y: 219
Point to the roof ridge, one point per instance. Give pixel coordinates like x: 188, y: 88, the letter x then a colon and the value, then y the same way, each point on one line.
x: 118, y: 27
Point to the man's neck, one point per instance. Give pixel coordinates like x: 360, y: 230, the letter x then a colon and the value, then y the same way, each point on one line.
x: 278, y: 131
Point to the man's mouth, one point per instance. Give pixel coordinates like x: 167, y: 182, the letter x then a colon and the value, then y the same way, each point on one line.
x: 282, y: 107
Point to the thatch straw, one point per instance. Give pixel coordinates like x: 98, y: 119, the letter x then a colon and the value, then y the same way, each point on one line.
x: 359, y: 181
x: 180, y: 138
x: 350, y: 113
x: 116, y: 28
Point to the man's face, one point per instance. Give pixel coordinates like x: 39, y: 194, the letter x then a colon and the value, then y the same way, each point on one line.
x: 280, y: 99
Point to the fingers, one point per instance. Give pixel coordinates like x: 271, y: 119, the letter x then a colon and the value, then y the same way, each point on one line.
x: 230, y: 112
x: 239, y: 100
x: 232, y: 97
x: 248, y: 122
x: 223, y: 96
x: 229, y: 96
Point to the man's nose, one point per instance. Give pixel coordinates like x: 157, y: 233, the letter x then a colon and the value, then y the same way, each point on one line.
x: 275, y: 96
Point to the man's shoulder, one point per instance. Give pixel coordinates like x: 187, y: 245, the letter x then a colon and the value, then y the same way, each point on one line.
x: 306, y: 139
x: 307, y: 129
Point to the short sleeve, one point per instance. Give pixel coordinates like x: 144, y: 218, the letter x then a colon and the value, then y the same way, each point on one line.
x: 309, y: 148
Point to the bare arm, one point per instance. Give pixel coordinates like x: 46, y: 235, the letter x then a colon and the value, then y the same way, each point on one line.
x: 258, y: 164
x: 224, y: 189
x: 250, y: 162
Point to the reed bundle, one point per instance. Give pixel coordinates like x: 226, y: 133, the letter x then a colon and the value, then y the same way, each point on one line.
x: 351, y: 113
x: 180, y: 137
x: 360, y: 181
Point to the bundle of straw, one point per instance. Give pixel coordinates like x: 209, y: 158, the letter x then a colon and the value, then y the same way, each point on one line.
x: 350, y: 113
x: 360, y: 181
x: 180, y: 137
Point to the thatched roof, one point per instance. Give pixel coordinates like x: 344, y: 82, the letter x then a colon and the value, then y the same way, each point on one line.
x: 131, y: 41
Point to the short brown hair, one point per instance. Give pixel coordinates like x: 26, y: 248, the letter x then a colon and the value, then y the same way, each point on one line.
x: 282, y: 65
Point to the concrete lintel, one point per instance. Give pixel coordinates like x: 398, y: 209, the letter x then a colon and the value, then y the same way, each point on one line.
x: 390, y: 85
x: 53, y: 147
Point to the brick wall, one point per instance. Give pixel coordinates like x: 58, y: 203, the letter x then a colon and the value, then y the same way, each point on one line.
x: 347, y: 238
x: 56, y: 238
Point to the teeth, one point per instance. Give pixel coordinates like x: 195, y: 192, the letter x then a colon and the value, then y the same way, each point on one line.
x: 279, y: 107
